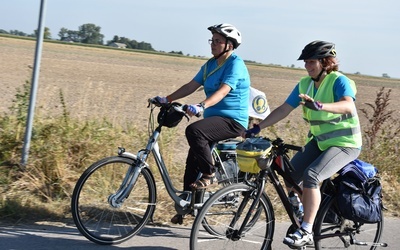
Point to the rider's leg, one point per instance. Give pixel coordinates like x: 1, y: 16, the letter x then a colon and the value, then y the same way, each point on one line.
x: 200, y: 136
x: 326, y: 164
x: 311, y: 201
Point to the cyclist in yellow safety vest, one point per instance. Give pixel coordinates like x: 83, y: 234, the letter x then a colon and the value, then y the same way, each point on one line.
x: 334, y: 138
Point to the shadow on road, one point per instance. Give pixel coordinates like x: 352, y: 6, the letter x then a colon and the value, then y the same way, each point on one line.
x: 61, y: 236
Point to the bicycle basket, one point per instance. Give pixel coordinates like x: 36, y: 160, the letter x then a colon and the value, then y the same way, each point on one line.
x: 168, y: 116
x: 250, y: 151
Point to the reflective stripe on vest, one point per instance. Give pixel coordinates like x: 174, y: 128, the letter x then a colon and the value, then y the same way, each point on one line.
x: 333, y: 121
x: 336, y: 133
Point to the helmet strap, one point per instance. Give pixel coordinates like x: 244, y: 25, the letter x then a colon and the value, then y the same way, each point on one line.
x: 223, y: 52
x: 319, y: 76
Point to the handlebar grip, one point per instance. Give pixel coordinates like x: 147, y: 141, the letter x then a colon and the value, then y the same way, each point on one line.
x: 185, y: 107
x: 152, y: 100
x: 293, y: 147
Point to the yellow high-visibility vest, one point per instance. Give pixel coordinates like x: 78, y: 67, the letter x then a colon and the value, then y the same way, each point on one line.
x: 328, y: 129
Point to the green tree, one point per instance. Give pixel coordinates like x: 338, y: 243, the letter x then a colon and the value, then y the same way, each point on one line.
x: 46, y: 35
x: 90, y: 33
x: 114, y: 40
x: 145, y: 46
x: 74, y: 35
x: 63, y: 33
x: 17, y: 33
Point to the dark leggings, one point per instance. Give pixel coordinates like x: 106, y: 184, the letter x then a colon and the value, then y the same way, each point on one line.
x: 200, y: 136
x: 314, y: 166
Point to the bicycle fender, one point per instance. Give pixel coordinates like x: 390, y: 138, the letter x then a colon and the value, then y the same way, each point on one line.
x: 133, y: 157
x: 128, y: 155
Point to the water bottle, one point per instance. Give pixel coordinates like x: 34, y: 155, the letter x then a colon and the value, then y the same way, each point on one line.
x: 296, y: 204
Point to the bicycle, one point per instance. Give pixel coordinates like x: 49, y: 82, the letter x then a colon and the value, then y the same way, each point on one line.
x: 244, y: 217
x: 116, y: 196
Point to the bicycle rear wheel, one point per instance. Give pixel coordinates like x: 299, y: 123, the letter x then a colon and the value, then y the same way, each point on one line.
x: 96, y: 217
x: 221, y: 210
x: 331, y: 231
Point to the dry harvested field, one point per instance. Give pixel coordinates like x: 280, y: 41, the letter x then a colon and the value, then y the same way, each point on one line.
x: 115, y: 84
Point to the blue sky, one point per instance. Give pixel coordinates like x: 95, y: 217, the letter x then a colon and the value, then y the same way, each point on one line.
x: 366, y: 32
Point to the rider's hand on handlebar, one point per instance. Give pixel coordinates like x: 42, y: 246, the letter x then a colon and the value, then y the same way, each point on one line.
x: 161, y: 99
x: 253, y: 131
x: 194, y: 109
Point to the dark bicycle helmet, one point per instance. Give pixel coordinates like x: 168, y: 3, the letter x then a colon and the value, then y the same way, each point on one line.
x: 229, y: 31
x: 317, y: 50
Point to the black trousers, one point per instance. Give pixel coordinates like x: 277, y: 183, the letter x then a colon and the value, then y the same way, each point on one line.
x: 200, y: 136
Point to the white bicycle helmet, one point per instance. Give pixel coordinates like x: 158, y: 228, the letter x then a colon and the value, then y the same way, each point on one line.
x: 229, y: 31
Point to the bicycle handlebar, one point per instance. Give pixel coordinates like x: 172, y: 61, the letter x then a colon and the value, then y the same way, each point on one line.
x: 293, y: 147
x: 182, y: 107
x: 278, y: 142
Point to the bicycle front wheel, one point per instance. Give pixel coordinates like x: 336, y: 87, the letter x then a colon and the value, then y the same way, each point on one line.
x: 224, y: 213
x: 331, y: 231
x: 103, y: 221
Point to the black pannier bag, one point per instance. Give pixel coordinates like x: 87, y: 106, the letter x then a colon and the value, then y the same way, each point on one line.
x: 359, y: 198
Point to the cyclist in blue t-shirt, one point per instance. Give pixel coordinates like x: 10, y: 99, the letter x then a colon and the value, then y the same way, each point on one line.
x: 226, y: 84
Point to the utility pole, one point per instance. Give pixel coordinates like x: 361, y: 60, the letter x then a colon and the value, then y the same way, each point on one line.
x: 34, y: 86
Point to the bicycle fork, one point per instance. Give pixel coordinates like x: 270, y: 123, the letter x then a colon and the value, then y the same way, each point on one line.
x: 117, y: 199
x: 236, y: 235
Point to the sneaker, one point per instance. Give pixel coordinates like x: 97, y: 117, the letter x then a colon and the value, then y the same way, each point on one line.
x: 299, y: 238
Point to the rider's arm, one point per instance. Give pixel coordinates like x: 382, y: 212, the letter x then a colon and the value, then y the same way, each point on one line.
x: 344, y: 97
x: 217, y: 96
x: 184, y: 91
x: 344, y: 106
x: 292, y: 102
x: 276, y: 115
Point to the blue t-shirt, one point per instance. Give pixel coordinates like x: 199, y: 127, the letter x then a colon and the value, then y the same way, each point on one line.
x: 341, y: 88
x: 233, y: 72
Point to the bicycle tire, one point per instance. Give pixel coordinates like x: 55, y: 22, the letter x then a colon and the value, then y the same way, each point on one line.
x: 220, y: 210
x: 329, y: 224
x: 93, y: 215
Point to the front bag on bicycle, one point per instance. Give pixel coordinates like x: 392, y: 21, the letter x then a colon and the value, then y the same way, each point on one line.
x: 169, y: 116
x: 359, y: 198
x: 250, y: 151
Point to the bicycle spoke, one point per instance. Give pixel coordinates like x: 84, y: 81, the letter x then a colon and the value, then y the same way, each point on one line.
x: 256, y: 234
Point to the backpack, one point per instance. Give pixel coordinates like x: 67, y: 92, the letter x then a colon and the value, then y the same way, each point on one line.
x: 359, y: 198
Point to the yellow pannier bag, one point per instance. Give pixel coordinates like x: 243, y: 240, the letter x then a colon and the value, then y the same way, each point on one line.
x: 249, y: 151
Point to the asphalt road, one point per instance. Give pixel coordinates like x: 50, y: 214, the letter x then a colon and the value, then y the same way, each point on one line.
x: 44, y: 236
